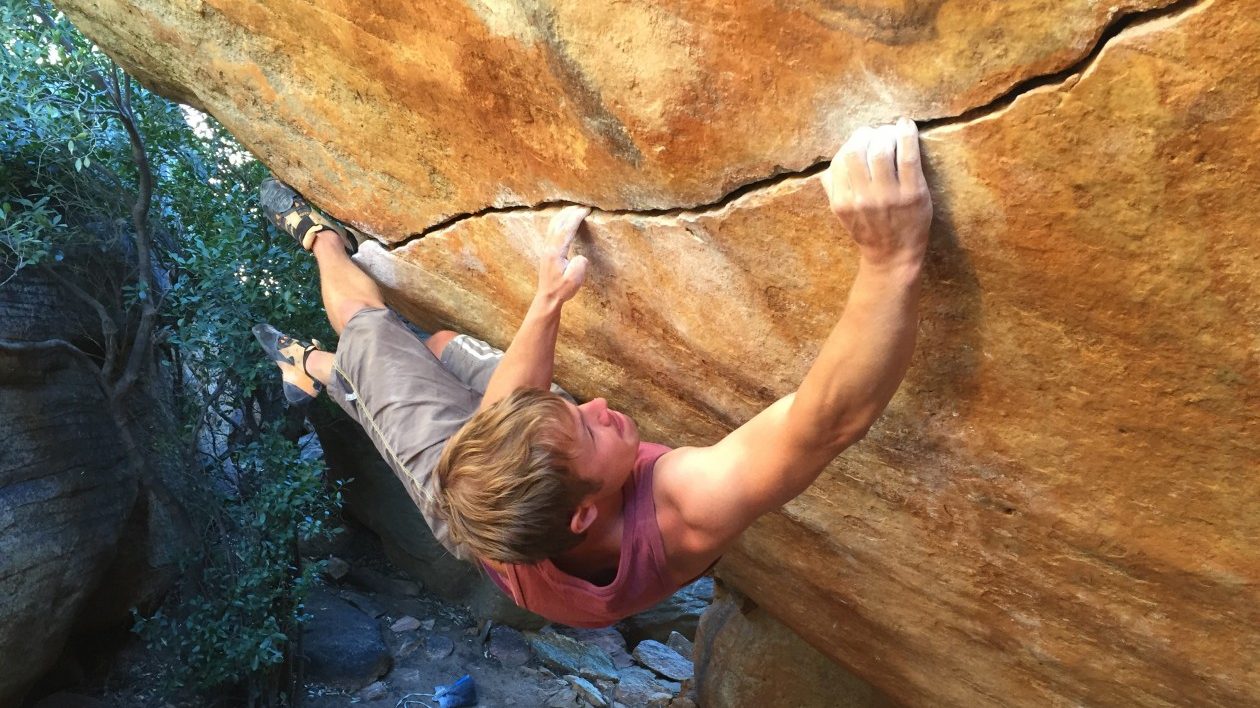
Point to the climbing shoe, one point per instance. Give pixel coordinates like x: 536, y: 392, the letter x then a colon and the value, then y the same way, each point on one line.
x: 290, y: 213
x: 290, y: 355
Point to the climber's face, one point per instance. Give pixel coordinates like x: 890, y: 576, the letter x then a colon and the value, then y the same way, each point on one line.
x: 607, y: 443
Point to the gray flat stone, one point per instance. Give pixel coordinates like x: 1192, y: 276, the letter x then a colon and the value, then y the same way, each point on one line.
x: 336, y: 568
x: 680, y: 644
x: 508, y: 646
x: 373, y: 692
x: 437, y: 646
x: 408, y: 647
x: 678, y: 613
x: 566, y: 655
x: 607, y: 638
x: 638, y: 687
x: 564, y: 698
x: 341, y: 644
x: 361, y: 601
x: 663, y: 660
x: 406, y: 623
x: 586, y: 690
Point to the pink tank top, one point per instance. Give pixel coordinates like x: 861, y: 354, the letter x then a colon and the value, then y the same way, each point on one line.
x: 641, y: 573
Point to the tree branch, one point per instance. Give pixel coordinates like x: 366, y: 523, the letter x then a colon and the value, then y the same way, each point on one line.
x: 139, y: 350
x: 109, y: 328
x: 51, y: 345
x: 138, y: 353
x: 118, y: 415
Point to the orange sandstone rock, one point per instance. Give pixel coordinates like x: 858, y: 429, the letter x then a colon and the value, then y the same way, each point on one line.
x: 399, y: 116
x: 1060, y: 506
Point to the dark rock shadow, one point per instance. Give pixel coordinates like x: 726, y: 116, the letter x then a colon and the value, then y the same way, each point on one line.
x: 950, y: 345
x: 911, y: 24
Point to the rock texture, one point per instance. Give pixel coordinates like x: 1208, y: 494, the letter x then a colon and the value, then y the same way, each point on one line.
x: 744, y: 658
x: 341, y: 645
x: 1060, y: 505
x: 82, y: 540
x: 405, y: 116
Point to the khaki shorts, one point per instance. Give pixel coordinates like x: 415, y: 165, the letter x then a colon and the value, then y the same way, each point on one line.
x: 408, y: 401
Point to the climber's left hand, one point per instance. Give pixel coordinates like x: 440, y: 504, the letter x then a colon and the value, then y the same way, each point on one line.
x: 560, y: 277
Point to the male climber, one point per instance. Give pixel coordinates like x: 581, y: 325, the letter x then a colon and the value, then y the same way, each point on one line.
x: 562, y: 504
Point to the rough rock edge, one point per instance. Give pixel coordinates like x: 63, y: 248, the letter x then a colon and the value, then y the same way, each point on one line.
x: 1062, y: 80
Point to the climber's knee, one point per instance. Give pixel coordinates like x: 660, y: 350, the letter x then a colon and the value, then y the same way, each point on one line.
x: 439, y: 340
x: 345, y: 309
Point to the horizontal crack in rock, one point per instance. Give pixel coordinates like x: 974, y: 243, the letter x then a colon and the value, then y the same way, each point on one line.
x: 1122, y: 24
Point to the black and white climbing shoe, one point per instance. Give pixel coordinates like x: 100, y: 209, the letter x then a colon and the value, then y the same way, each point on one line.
x: 293, y: 215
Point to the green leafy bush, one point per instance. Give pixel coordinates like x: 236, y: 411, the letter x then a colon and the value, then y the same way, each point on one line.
x: 69, y: 177
x: 241, y: 621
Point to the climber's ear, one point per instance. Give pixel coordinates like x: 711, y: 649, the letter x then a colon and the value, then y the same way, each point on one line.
x: 583, y: 517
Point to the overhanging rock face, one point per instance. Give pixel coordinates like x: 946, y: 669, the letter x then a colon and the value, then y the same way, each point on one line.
x: 406, y: 116
x: 1061, y: 504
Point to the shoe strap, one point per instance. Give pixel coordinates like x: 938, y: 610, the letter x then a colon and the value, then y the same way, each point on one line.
x: 306, y: 354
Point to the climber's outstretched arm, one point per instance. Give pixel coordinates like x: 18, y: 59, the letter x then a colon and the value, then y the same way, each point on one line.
x: 707, y: 496
x: 530, y: 358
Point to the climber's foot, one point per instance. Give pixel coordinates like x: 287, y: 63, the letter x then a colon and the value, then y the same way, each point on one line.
x: 290, y: 355
x: 290, y: 213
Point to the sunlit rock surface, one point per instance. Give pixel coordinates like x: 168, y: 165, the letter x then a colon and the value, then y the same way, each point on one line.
x: 1060, y: 506
x: 401, y: 115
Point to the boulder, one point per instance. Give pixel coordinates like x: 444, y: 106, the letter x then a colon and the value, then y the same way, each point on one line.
x: 566, y: 655
x: 404, y: 117
x: 83, y: 538
x: 745, y: 657
x: 342, y: 646
x: 679, y: 612
x: 1058, y: 507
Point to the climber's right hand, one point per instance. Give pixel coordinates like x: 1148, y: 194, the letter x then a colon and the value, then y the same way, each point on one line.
x: 560, y: 277
x: 876, y: 188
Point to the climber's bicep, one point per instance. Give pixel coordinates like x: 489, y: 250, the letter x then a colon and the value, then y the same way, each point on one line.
x: 718, y: 491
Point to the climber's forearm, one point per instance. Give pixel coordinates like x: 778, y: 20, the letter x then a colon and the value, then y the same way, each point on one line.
x: 866, y: 356
x: 876, y: 188
x: 778, y: 454
x: 530, y: 359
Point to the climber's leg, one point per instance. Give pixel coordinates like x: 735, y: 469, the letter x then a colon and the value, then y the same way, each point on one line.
x: 319, y: 366
x: 344, y: 287
x: 438, y: 340
x: 381, y: 374
x: 470, y: 360
x: 290, y: 213
x: 385, y: 378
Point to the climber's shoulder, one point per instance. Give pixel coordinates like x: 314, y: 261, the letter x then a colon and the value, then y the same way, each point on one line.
x: 706, y: 496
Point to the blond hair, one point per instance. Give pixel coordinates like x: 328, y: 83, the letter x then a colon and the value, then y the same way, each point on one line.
x: 507, y: 479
